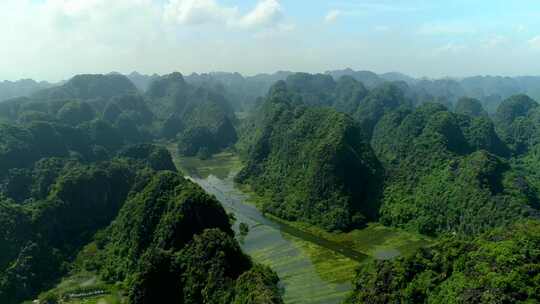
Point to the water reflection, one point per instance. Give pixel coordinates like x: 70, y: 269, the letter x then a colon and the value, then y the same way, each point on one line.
x: 312, y: 270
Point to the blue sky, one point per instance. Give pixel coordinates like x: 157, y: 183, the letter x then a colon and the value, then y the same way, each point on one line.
x: 55, y: 39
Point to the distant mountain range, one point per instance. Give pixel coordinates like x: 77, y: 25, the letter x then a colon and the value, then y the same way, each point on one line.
x: 243, y: 91
x: 491, y: 90
x: 24, y: 87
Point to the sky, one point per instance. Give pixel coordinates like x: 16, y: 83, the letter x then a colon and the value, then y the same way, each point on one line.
x: 56, y: 39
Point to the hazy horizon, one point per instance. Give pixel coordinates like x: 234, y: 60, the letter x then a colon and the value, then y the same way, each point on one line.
x: 55, y: 39
x: 55, y: 81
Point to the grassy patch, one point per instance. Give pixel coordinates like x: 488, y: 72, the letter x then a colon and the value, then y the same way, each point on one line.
x: 83, y: 282
x: 375, y: 240
x: 309, y: 272
x: 221, y: 165
x: 329, y: 265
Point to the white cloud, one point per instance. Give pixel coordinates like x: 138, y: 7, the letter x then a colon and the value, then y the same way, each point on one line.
x: 521, y: 28
x: 495, y: 41
x: 446, y: 29
x: 451, y: 48
x: 535, y: 42
x: 266, y: 13
x: 332, y: 16
x: 54, y: 39
x: 194, y: 12
x: 197, y: 12
x: 282, y: 30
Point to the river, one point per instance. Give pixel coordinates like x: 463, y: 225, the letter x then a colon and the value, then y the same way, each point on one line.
x: 312, y: 269
x: 289, y: 251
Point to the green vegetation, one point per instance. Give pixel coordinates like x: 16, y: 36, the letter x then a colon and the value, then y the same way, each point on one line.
x: 156, y: 157
x: 242, y: 92
x: 83, y: 287
x: 375, y: 240
x: 200, y: 117
x: 444, y: 171
x: 378, y: 102
x: 81, y: 193
x: 111, y: 113
x: 497, y: 267
x: 471, y: 107
x: 24, y: 87
x: 164, y: 215
x: 309, y: 271
x: 221, y: 165
x: 173, y: 241
x: 69, y: 202
x: 517, y: 122
x: 89, y: 87
x: 312, y: 164
x: 159, y: 217
x: 349, y: 169
x: 445, y: 175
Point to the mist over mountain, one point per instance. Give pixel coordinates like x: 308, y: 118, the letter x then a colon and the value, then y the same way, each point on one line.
x: 20, y: 88
x: 89, y: 184
x: 269, y: 152
x: 243, y: 91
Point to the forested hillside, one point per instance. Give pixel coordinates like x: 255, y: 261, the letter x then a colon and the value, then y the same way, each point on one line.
x: 108, y: 111
x: 21, y: 88
x: 172, y: 241
x: 202, y: 119
x: 141, y: 81
x: 82, y: 188
x: 50, y: 216
x: 461, y: 175
x: 490, y: 90
x: 500, y: 266
x: 87, y: 187
x: 312, y: 163
x: 443, y: 171
x: 160, y: 219
x: 243, y: 92
x: 269, y: 152
x: 447, y: 173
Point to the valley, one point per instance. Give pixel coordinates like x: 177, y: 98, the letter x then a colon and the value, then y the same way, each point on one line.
x: 326, y: 191
x: 314, y: 267
x: 269, y: 152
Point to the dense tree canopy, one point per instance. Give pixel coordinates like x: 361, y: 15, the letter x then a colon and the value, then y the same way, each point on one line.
x: 202, y: 118
x: 517, y: 121
x: 88, y: 87
x: 81, y: 179
x: 60, y: 190
x: 172, y: 241
x: 501, y: 266
x: 66, y: 203
x: 313, y: 164
x: 444, y: 173
x: 471, y: 107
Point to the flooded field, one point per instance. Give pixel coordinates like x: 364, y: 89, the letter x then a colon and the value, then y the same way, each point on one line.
x: 312, y: 270
x: 314, y: 266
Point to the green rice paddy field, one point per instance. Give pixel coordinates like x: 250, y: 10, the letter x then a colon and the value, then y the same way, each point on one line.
x: 314, y: 266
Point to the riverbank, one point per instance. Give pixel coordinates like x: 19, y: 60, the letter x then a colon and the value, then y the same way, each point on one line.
x: 315, y: 266
x: 375, y: 240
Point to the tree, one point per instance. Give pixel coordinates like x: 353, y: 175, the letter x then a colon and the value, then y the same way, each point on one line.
x: 76, y: 112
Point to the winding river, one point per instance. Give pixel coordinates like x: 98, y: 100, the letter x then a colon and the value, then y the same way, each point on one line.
x: 311, y: 269
x: 288, y: 250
